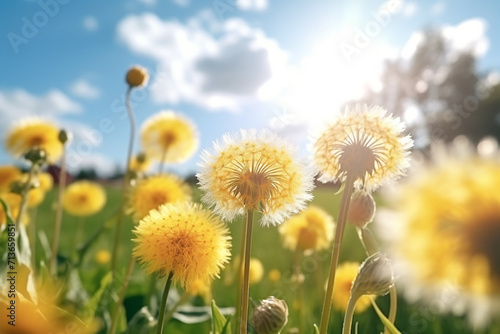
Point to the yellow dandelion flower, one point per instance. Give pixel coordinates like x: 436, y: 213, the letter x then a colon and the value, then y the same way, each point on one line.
x: 254, y: 171
x: 169, y: 137
x: 8, y: 174
x: 449, y: 240
x: 310, y: 230
x: 198, y: 287
x: 185, y: 239
x: 31, y: 133
x: 46, y: 181
x: 84, y: 198
x: 13, y: 202
x: 35, y: 197
x: 137, y: 76
x: 103, y: 256
x: 140, y: 163
x: 256, y: 271
x: 346, y: 273
x: 274, y: 275
x: 150, y: 193
x: 364, y: 142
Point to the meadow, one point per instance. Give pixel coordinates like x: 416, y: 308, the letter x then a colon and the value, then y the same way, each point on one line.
x: 267, y: 247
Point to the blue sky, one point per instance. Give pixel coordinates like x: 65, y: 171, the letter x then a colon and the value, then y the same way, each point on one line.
x: 225, y: 64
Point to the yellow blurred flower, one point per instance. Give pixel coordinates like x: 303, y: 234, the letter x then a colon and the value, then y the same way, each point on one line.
x: 35, y: 197
x: 310, y: 230
x: 257, y: 171
x: 8, y: 174
x: 13, y: 202
x: 185, y: 239
x: 274, y: 275
x: 46, y: 181
x: 169, y: 137
x: 84, y: 198
x: 137, y: 76
x: 344, y: 278
x: 198, y: 287
x: 33, y: 132
x: 365, y: 143
x: 150, y: 193
x: 450, y: 234
x: 256, y: 271
x: 103, y: 256
x: 140, y: 163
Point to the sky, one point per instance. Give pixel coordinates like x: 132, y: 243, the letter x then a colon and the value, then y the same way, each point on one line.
x: 225, y: 64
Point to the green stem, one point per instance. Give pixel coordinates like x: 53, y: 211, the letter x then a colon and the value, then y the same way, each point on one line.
x: 344, y: 208
x: 121, y: 296
x: 393, y: 308
x: 59, y: 213
x: 24, y: 195
x: 162, y: 162
x: 126, y: 182
x: 239, y: 274
x: 300, y: 289
x: 370, y: 244
x: 349, y: 313
x: 164, y: 303
x: 246, y: 274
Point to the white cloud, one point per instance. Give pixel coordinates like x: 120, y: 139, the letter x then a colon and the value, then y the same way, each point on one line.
x: 90, y: 23
x: 18, y: 103
x: 181, y: 3
x: 252, y: 4
x: 438, y: 7
x: 469, y: 35
x: 409, y: 9
x: 82, y: 88
x: 218, y: 65
x: 103, y: 165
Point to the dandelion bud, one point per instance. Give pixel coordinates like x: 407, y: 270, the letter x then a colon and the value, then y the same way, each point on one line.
x: 375, y: 277
x: 36, y: 155
x: 141, y: 158
x: 270, y: 316
x: 17, y: 187
x: 362, y: 209
x: 64, y: 136
x: 137, y: 76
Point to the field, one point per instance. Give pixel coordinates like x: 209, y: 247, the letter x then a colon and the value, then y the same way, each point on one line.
x: 267, y: 247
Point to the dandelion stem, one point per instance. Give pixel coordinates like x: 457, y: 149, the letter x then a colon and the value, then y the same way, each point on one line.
x: 239, y: 274
x: 59, y: 212
x: 126, y: 181
x: 349, y: 313
x: 371, y: 247
x: 121, y: 296
x: 344, y: 208
x: 164, y: 302
x: 246, y: 271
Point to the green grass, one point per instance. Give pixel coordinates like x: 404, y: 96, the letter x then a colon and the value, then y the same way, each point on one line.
x: 266, y: 247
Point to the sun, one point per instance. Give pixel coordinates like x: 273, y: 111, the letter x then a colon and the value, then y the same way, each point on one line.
x: 324, y: 81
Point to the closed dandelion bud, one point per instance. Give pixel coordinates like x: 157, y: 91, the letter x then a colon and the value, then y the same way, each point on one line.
x: 270, y: 316
x: 374, y: 277
x: 362, y: 209
x: 137, y: 76
x: 64, y: 136
x: 36, y: 155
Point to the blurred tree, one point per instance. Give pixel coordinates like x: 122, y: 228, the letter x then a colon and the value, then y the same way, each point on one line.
x: 439, y: 93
